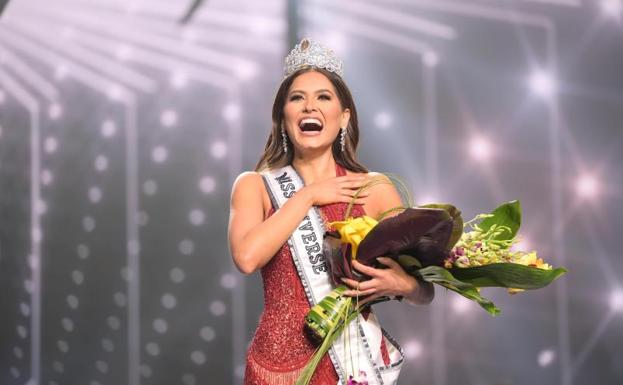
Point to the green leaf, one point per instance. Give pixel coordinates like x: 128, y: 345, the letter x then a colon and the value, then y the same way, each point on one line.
x: 507, y: 214
x: 443, y: 277
x: 455, y: 214
x: 509, y: 275
x: 408, y: 261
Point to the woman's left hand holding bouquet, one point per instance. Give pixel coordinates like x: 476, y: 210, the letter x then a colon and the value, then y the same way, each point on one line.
x: 391, y: 282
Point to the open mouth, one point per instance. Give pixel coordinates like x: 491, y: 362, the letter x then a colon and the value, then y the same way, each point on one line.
x: 310, y: 124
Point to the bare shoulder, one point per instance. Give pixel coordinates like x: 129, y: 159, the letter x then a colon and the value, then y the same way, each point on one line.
x: 249, y: 188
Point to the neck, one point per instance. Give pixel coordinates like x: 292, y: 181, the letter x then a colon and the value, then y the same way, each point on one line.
x: 314, y: 168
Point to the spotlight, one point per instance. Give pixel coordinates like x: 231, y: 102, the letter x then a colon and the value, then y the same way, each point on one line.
x: 168, y: 118
x: 114, y: 92
x: 231, y: 112
x: 522, y: 245
x: 480, y: 149
x: 246, y: 70
x: 460, y: 305
x: 616, y: 300
x: 383, y: 120
x: 218, y: 149
x: 179, y: 79
x: 587, y: 186
x: 55, y: 111
x: 542, y: 83
x: 123, y: 52
x: 546, y: 357
x: 612, y: 8
x: 430, y: 59
x: 413, y: 349
x: 427, y: 199
x: 60, y: 72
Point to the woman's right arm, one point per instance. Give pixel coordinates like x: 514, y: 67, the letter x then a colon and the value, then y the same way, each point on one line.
x: 253, y: 241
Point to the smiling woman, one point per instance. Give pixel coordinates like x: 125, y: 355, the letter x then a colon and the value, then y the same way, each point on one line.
x: 304, y: 180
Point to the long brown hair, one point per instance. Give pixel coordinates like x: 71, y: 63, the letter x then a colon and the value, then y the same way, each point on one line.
x: 274, y: 156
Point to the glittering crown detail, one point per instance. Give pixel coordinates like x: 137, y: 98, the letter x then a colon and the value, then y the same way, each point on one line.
x: 310, y: 53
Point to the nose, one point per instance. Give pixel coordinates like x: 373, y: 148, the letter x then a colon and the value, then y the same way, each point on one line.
x: 309, y: 105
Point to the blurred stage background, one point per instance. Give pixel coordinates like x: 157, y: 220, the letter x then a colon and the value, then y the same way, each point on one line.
x: 124, y: 123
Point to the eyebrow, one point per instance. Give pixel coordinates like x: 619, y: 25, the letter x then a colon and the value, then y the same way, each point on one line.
x: 317, y: 92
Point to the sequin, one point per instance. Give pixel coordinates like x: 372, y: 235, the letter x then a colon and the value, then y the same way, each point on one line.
x: 280, y: 348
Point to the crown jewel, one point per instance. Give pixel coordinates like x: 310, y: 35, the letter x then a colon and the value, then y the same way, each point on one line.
x: 310, y: 53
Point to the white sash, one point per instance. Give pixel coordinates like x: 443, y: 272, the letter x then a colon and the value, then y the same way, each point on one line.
x: 306, y: 247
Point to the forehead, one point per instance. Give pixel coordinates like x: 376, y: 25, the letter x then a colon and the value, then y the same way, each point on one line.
x: 311, y: 81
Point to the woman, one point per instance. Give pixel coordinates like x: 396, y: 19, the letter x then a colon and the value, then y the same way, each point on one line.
x: 314, y: 131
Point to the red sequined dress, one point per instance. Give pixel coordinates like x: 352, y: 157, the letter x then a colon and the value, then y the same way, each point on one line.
x: 280, y: 349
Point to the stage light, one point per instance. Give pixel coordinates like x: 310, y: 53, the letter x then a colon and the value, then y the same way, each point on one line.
x: 231, y: 112
x: 460, y: 305
x: 207, y: 333
x: 612, y: 8
x: 55, y: 111
x: 150, y: 187
x: 217, y: 308
x: 616, y: 300
x: 522, y: 245
x: 177, y: 275
x: 95, y: 194
x: 123, y: 52
x: 480, y: 149
x: 101, y: 163
x: 383, y: 120
x: 160, y: 325
x: 246, y: 70
x: 109, y: 128
x: 179, y: 80
x: 186, y: 247
x: 196, y: 217
x: 413, y: 349
x: 46, y: 177
x: 114, y: 92
x: 542, y: 83
x: 60, y: 72
x: 50, y: 144
x: 207, y: 184
x: 198, y: 357
x: 168, y: 301
x: 159, y: 154
x: 228, y: 281
x: 430, y: 59
x: 426, y: 199
x: 587, y: 186
x: 168, y: 118
x: 546, y: 357
x: 218, y: 149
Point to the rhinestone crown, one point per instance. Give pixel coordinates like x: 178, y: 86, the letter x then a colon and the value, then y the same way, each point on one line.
x: 310, y: 53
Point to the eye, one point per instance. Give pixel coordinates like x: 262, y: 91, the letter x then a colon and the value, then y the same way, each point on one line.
x: 325, y: 97
x: 295, y: 97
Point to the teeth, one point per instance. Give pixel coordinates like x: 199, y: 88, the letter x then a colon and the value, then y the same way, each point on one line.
x: 310, y: 121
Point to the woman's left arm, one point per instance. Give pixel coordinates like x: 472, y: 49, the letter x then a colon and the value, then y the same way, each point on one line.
x: 392, y: 281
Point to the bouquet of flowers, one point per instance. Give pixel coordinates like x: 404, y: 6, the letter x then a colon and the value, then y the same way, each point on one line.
x: 431, y: 243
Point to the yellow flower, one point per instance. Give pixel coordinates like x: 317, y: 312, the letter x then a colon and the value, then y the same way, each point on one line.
x: 530, y: 259
x: 354, y: 230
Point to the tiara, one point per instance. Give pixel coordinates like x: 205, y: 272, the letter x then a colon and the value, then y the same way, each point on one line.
x: 310, y: 53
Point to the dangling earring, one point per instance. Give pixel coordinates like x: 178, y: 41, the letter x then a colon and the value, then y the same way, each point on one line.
x: 343, y: 138
x: 285, y: 140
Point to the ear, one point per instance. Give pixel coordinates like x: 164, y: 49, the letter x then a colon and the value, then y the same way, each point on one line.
x: 345, y: 118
